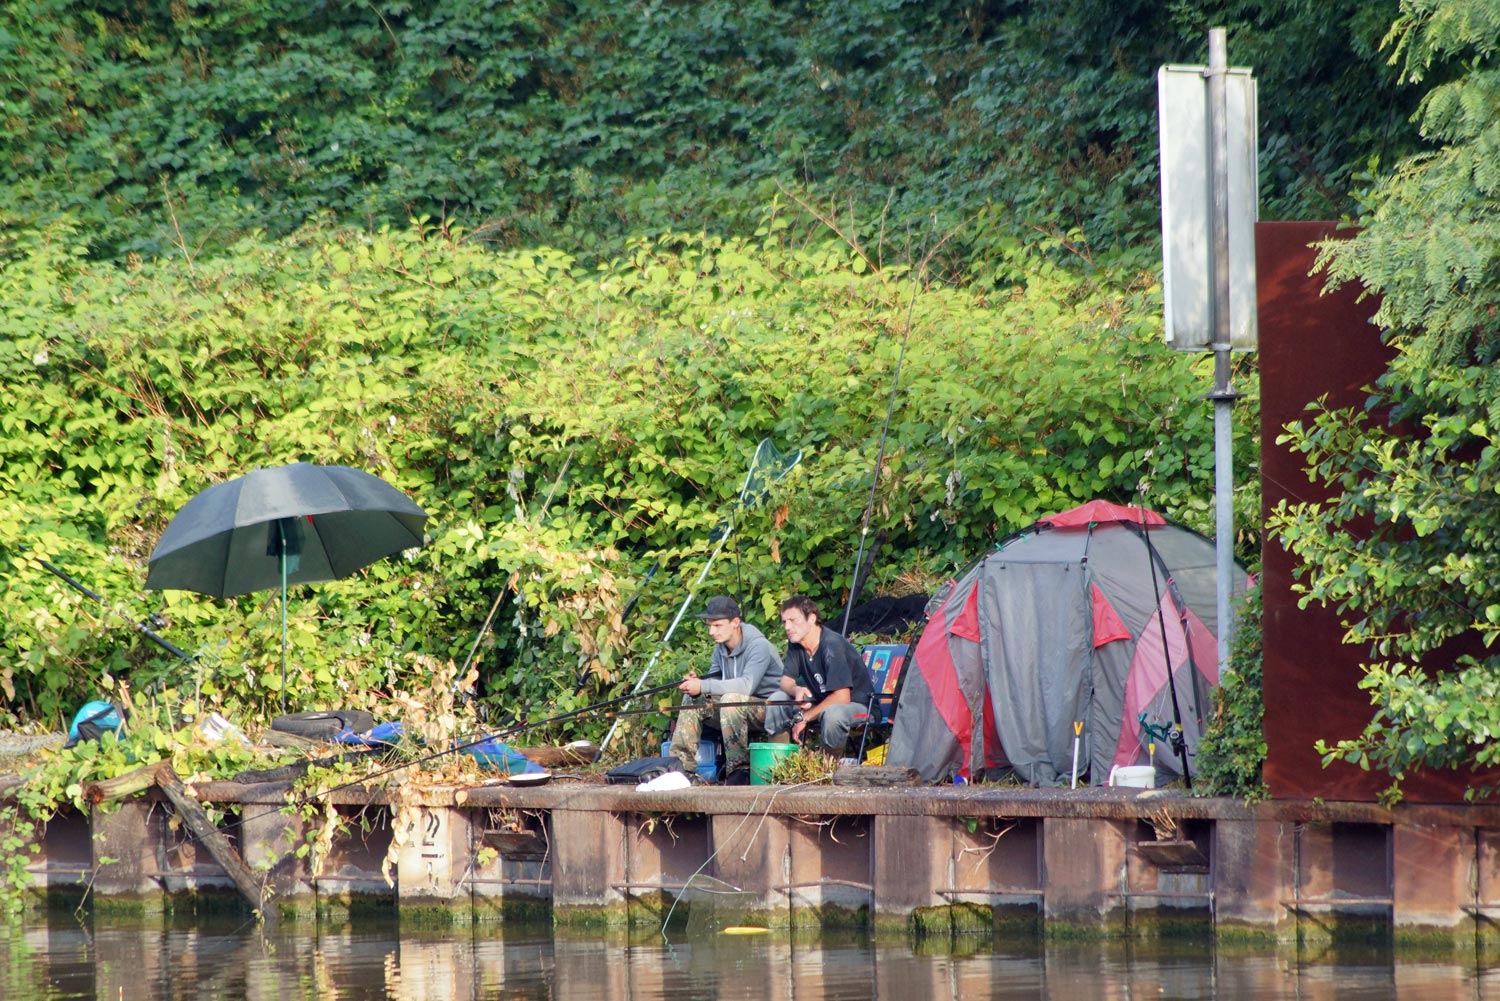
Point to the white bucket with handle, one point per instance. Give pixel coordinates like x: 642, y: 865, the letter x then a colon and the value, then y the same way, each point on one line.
x: 1134, y: 776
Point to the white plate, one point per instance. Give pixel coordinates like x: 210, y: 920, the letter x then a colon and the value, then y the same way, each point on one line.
x: 530, y: 779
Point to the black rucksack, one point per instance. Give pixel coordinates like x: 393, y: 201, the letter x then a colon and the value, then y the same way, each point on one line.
x: 641, y: 770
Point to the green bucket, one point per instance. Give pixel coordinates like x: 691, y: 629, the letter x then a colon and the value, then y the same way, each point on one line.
x: 763, y: 758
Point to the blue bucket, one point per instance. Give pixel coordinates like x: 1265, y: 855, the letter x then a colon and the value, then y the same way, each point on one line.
x: 708, y: 758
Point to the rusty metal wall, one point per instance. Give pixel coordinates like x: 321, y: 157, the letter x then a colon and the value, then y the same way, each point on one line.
x: 1311, y: 346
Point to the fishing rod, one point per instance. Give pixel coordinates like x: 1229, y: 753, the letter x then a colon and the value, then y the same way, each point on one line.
x: 751, y: 492
x: 855, y: 584
x: 711, y: 707
x: 462, y: 745
x: 454, y: 749
x: 1176, y: 739
x: 510, y: 731
x: 146, y: 627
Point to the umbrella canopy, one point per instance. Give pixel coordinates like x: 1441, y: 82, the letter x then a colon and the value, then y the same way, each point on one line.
x: 296, y: 524
x: 327, y: 521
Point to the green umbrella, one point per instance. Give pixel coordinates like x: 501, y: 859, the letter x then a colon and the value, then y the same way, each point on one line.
x: 296, y: 524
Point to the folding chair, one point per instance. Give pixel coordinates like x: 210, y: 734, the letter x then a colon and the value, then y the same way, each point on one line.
x: 884, y: 661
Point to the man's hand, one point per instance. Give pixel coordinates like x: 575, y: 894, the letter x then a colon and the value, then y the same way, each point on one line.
x: 798, y: 729
x: 691, y: 685
x: 802, y: 696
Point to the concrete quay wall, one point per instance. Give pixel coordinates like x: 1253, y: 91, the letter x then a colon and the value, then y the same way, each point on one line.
x: 916, y: 859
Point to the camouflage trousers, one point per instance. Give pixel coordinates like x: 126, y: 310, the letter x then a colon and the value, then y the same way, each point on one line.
x: 734, y: 723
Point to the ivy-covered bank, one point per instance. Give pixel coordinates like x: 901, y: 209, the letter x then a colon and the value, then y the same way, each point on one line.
x: 583, y: 123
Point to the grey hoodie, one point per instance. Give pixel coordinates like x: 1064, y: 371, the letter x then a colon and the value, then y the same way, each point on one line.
x: 754, y: 668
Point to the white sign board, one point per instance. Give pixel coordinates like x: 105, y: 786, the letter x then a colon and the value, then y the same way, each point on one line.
x: 1187, y: 206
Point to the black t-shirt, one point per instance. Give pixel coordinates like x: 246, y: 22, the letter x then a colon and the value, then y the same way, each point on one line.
x: 836, y: 665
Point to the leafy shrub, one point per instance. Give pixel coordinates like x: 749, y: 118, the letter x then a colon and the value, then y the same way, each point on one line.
x: 1233, y: 748
x: 566, y: 426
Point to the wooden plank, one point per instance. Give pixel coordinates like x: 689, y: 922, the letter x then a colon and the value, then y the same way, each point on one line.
x: 162, y: 776
x: 559, y: 757
x: 210, y: 837
x: 1172, y: 854
x: 871, y: 776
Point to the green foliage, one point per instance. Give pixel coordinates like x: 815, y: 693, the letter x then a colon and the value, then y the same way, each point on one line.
x: 647, y: 236
x: 1407, y: 548
x: 154, y: 733
x: 1311, y: 56
x: 167, y: 129
x: 803, y: 766
x: 1233, y: 748
x: 566, y: 425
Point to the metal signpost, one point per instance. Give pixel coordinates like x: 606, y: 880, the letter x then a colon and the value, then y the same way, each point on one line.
x: 1208, y: 131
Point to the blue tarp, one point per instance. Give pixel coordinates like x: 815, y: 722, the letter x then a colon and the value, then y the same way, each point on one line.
x: 489, y: 752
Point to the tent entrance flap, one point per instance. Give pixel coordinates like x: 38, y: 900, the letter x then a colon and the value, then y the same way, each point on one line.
x: 1037, y: 620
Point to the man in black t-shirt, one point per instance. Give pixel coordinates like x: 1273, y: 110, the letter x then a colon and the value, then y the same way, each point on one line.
x: 824, y: 680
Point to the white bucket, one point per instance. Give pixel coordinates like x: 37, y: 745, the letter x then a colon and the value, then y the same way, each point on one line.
x: 1135, y: 776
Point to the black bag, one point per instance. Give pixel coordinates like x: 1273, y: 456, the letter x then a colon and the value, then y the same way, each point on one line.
x: 641, y: 770
x: 323, y: 725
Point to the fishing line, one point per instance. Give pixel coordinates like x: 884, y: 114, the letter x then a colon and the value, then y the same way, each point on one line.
x: 890, y: 408
x: 1176, y: 738
x: 771, y: 467
x: 456, y: 748
x: 510, y: 731
x: 751, y: 812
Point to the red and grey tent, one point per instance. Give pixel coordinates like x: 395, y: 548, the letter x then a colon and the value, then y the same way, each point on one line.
x: 1083, y: 617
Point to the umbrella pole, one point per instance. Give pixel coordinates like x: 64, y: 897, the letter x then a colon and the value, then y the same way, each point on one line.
x: 282, y: 530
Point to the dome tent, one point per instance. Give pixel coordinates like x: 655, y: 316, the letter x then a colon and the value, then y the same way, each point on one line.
x: 1075, y: 619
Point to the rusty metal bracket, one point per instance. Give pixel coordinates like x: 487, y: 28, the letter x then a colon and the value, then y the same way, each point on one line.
x: 1333, y: 903
x: 789, y: 887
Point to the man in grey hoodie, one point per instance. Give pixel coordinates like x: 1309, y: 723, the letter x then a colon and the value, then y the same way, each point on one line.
x: 745, y: 668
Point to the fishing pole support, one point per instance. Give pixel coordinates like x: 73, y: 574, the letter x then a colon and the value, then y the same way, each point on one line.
x: 1172, y: 733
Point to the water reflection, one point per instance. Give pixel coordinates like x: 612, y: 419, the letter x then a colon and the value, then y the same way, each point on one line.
x: 69, y: 959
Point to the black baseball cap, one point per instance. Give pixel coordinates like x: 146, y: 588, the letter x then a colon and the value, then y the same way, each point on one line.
x: 720, y: 606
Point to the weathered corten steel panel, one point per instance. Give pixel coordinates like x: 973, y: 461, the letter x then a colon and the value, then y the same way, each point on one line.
x: 1435, y: 879
x: 1253, y: 874
x: 1312, y: 346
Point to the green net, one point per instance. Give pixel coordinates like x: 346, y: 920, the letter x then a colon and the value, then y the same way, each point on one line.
x: 768, y: 467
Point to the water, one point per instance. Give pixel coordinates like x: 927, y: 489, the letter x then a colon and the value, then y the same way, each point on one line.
x: 67, y: 958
